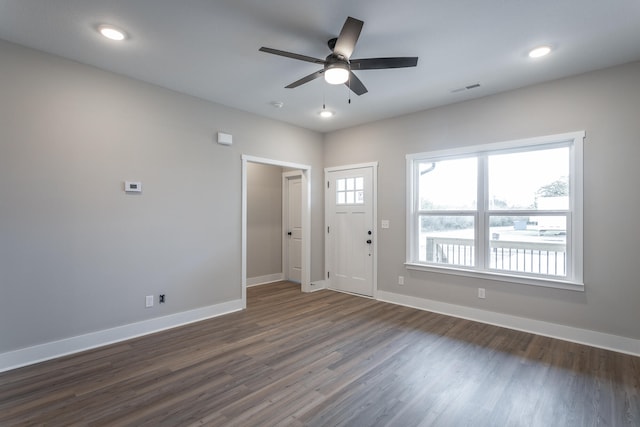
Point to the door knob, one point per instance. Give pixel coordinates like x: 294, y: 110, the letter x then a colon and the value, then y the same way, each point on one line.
x: 289, y: 233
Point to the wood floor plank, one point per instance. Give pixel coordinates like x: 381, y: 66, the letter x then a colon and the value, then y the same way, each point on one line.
x: 328, y: 359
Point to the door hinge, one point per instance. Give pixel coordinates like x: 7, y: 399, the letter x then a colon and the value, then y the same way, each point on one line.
x: 327, y: 229
x: 327, y: 184
x: 328, y: 275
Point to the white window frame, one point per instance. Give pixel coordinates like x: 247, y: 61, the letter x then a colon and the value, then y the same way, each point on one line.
x: 574, y: 245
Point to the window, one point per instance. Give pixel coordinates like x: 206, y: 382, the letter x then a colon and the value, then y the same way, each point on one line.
x: 350, y: 191
x: 511, y: 211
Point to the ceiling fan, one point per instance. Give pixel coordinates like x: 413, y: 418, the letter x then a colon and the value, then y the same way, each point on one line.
x: 338, y: 65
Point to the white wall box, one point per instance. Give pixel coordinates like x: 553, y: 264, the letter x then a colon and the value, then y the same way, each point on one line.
x: 133, y: 186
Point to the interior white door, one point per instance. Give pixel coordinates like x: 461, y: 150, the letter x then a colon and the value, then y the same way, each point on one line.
x: 350, y: 230
x: 294, y: 229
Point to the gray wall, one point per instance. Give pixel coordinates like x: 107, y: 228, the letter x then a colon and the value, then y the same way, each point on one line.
x: 77, y: 254
x: 264, y: 220
x: 606, y: 104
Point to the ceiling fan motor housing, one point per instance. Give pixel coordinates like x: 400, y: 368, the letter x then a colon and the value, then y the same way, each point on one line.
x: 336, y: 61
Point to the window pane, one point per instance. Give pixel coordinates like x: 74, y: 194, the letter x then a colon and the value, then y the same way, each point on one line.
x: 350, y: 198
x: 529, y: 180
x: 350, y: 191
x: 447, y: 240
x: 350, y: 183
x: 448, y: 184
x: 528, y: 244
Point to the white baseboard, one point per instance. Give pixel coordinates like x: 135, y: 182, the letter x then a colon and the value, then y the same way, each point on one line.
x: 264, y: 280
x: 51, y: 350
x: 39, y: 353
x: 317, y: 285
x: 567, y: 333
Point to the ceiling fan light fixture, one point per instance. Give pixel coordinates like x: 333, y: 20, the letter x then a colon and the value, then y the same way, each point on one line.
x: 336, y: 74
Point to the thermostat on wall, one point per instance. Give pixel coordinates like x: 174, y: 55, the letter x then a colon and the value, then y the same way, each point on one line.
x: 133, y: 186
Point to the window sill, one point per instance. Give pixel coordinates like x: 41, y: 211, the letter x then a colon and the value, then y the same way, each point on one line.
x: 523, y: 280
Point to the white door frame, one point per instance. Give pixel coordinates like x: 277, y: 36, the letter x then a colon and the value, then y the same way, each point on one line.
x: 374, y: 166
x: 305, y: 212
x: 286, y: 176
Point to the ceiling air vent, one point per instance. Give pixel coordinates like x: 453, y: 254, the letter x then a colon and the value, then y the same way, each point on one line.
x: 462, y: 89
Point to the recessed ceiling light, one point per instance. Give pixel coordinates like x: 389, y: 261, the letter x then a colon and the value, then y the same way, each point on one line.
x: 326, y: 114
x: 539, y: 51
x: 112, y: 33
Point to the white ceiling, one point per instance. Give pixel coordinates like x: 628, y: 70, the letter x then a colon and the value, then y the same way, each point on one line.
x: 209, y: 48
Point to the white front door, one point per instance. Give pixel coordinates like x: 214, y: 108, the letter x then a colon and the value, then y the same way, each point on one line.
x: 350, y: 230
x: 293, y: 230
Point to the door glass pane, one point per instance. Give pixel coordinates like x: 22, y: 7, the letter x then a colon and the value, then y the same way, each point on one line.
x: 448, y: 184
x: 529, y: 180
x: 350, y: 184
x: 350, y: 191
x: 535, y: 244
x: 447, y: 240
x: 350, y: 197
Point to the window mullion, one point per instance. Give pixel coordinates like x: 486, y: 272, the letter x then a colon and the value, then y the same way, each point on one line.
x: 570, y: 265
x: 482, y: 220
x: 415, y: 215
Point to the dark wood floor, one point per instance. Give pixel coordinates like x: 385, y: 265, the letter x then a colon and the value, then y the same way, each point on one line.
x: 329, y: 359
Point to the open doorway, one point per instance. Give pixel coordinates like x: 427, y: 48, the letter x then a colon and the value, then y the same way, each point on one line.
x: 303, y: 171
x: 274, y: 224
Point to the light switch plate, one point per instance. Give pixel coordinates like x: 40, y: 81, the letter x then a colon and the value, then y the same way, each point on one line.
x: 384, y: 223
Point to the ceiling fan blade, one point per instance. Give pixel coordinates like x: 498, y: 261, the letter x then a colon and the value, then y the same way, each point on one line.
x: 382, y: 63
x: 348, y: 37
x: 291, y: 55
x: 305, y: 79
x: 356, y: 85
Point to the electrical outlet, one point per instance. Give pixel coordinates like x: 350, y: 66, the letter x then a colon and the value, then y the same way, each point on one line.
x: 400, y: 280
x: 149, y: 301
x: 481, y: 293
